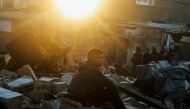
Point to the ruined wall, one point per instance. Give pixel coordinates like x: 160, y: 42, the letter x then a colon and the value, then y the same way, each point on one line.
x: 6, y: 37
x: 168, y: 11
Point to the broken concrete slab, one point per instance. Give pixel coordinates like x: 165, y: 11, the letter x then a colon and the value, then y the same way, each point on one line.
x: 43, y: 85
x: 37, y: 95
x: 48, y: 79
x: 175, y: 72
x: 59, y: 87
x: 162, y: 64
x: 67, y: 77
x: 20, y: 82
x: 10, y: 99
x: 149, y: 71
x: 26, y: 70
x: 26, y: 102
x: 7, y: 76
x: 39, y: 91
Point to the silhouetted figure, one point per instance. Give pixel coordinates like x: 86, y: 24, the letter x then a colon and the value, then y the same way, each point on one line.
x: 146, y: 57
x: 163, y: 53
x: 154, y: 56
x: 173, y: 55
x: 90, y: 87
x: 137, y: 58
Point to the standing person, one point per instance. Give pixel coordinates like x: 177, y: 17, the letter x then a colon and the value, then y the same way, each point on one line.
x: 90, y: 87
x: 154, y: 56
x: 146, y: 57
x: 163, y: 53
x: 173, y: 55
x: 137, y: 58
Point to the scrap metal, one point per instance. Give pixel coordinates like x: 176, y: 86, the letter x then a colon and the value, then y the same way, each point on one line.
x: 140, y: 96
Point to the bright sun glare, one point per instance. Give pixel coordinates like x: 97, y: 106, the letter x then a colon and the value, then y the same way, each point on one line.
x: 77, y: 9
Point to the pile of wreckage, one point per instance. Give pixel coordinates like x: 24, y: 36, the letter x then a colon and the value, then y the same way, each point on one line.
x: 30, y: 81
x: 160, y: 84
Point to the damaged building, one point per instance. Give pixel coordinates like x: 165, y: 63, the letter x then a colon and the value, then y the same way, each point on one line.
x: 47, y: 49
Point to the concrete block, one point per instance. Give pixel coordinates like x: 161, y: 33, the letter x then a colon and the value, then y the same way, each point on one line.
x: 10, y: 99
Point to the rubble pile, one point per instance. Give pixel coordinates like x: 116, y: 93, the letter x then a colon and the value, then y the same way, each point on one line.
x: 169, y: 84
x: 23, y: 89
x: 29, y: 83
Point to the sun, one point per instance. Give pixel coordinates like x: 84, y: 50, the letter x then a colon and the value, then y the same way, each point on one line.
x: 77, y: 9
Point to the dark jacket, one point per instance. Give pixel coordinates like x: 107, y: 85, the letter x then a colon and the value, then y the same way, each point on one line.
x: 88, y: 82
x: 137, y: 58
x: 154, y: 56
x: 90, y: 87
x: 146, y: 58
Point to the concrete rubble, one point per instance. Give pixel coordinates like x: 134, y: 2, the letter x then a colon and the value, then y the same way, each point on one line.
x: 27, y: 88
x: 10, y: 99
x: 50, y: 92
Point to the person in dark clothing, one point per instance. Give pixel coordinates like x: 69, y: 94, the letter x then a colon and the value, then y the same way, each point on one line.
x: 154, y: 56
x: 173, y: 55
x: 146, y: 57
x: 137, y: 58
x: 163, y: 53
x: 90, y: 87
